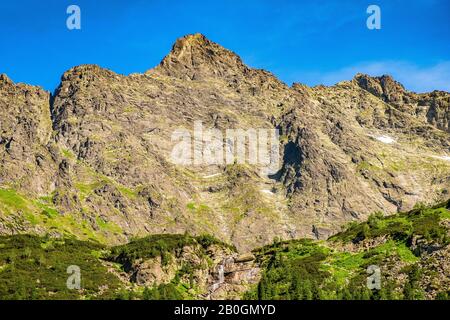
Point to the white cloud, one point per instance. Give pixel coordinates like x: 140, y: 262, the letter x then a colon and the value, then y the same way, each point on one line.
x: 413, y: 77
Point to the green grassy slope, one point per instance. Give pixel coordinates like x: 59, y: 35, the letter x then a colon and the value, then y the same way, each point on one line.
x: 33, y: 267
x: 401, y: 245
x: 410, y: 249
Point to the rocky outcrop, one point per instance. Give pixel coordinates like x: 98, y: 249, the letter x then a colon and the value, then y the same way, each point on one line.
x: 234, y: 276
x: 25, y: 137
x: 436, y: 268
x: 212, y: 273
x: 434, y: 107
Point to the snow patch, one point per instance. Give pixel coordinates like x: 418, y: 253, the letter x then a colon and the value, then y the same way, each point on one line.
x: 212, y: 175
x: 385, y: 139
x: 445, y: 158
x: 267, y: 192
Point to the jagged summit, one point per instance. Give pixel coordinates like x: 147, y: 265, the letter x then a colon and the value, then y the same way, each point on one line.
x: 385, y: 80
x: 192, y: 57
x: 8, y: 86
x: 87, y: 70
x: 5, y: 79
x: 384, y: 87
x: 195, y: 57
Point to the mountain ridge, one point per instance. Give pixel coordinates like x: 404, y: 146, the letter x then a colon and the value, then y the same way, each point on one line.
x: 97, y: 151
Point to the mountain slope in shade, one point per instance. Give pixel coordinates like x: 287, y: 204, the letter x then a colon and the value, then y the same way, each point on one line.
x: 93, y: 160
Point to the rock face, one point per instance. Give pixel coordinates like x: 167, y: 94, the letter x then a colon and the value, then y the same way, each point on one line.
x: 93, y: 159
x: 25, y: 136
x: 216, y: 272
x: 432, y: 107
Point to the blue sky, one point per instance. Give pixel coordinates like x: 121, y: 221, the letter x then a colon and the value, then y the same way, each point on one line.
x: 310, y: 42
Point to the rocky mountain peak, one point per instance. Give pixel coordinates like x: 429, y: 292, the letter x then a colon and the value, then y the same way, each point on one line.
x: 85, y: 71
x: 194, y: 57
x: 192, y: 40
x: 4, y: 79
x: 11, y: 89
x: 384, y: 87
